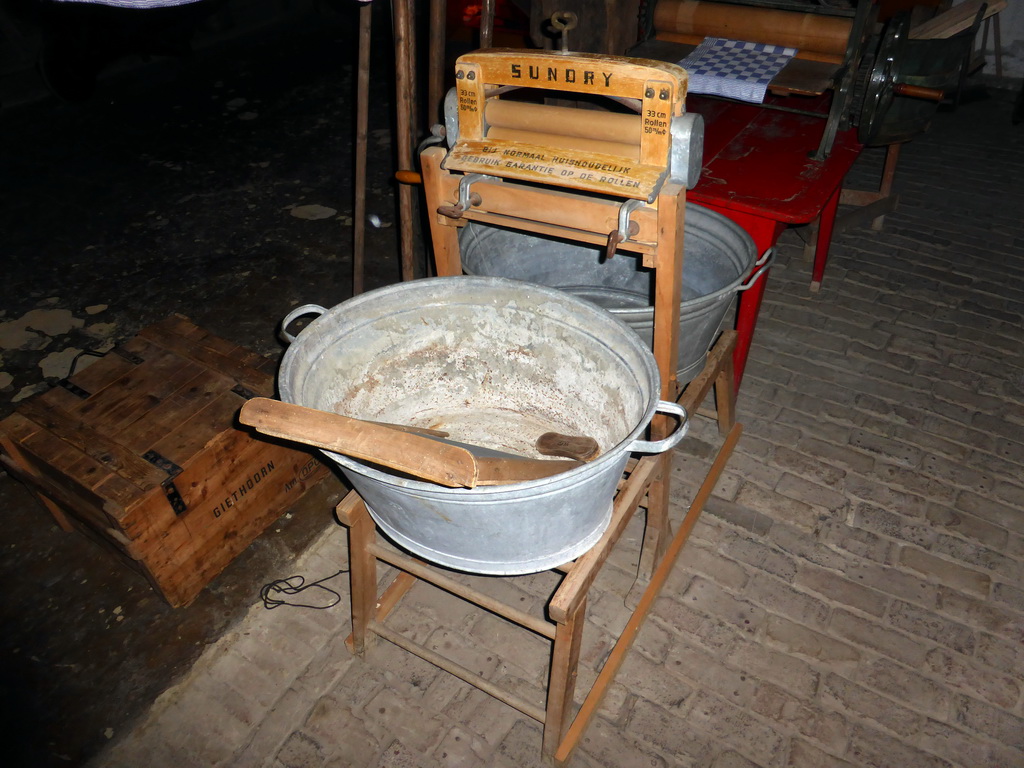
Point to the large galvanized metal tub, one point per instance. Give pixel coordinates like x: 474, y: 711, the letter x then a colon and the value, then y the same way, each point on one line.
x: 718, y: 257
x: 493, y: 362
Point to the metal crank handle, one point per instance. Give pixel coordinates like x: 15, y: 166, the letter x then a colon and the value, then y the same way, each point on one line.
x: 467, y: 198
x: 456, y: 211
x: 626, y: 228
x: 614, y: 238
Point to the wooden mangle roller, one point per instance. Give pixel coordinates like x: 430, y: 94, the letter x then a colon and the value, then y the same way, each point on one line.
x: 566, y: 127
x: 816, y: 37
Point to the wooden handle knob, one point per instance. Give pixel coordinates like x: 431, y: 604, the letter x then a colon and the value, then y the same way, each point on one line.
x: 580, y: 448
x: 409, y: 177
x: 919, y: 92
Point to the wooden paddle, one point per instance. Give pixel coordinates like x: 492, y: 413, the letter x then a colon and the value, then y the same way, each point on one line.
x: 423, y: 457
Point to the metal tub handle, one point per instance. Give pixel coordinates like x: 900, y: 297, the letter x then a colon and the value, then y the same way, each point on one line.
x: 667, y: 443
x: 763, y: 264
x: 305, y: 309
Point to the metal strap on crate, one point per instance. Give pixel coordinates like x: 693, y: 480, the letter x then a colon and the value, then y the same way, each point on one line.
x: 170, y: 489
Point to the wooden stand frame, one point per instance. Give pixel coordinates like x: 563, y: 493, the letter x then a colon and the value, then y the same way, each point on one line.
x: 566, y: 609
x: 659, y: 244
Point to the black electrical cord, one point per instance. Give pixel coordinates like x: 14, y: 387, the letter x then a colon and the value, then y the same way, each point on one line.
x: 293, y: 585
x: 74, y: 362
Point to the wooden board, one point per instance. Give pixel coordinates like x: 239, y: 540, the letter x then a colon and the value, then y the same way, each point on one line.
x: 957, y: 19
x: 581, y: 170
x: 141, y: 452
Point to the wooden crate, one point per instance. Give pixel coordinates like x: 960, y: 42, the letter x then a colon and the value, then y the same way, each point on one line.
x: 141, y: 452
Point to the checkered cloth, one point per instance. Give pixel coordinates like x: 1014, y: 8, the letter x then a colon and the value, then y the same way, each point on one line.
x: 735, y: 68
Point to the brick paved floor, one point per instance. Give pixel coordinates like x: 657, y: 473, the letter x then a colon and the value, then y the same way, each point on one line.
x: 853, y: 595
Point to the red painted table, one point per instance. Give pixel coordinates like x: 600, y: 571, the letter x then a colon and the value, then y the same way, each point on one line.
x: 758, y: 172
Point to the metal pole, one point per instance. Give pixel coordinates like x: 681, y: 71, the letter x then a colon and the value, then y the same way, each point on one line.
x: 487, y: 24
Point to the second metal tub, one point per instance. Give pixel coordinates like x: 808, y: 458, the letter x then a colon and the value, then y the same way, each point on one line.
x: 718, y: 256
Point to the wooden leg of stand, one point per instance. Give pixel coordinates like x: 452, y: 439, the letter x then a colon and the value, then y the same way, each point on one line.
x: 892, y: 155
x: 823, y: 240
x: 611, y: 667
x: 720, y: 361
x: 565, y: 660
x: 362, y: 576
x: 658, y: 528
x: 725, y: 396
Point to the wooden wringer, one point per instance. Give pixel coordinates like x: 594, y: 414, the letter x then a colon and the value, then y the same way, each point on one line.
x: 605, y: 178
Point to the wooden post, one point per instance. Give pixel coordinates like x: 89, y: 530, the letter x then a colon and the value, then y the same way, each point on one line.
x: 405, y: 99
x: 892, y: 156
x: 562, y: 678
x: 362, y: 570
x: 725, y: 395
x: 668, y: 286
x: 444, y: 237
x: 436, y: 63
x: 362, y: 118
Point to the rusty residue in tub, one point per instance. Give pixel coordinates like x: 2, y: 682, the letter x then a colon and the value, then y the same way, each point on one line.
x: 494, y: 388
x: 368, y: 385
x: 521, y: 351
x: 433, y: 353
